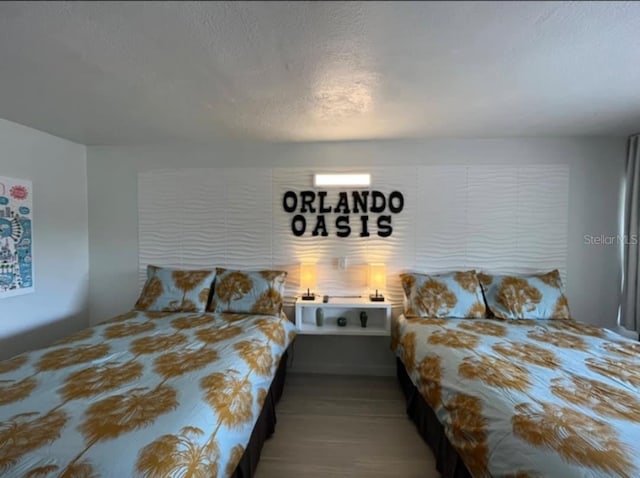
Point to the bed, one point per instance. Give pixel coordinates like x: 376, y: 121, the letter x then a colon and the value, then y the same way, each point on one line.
x: 522, y: 398
x: 527, y: 392
x: 147, y: 394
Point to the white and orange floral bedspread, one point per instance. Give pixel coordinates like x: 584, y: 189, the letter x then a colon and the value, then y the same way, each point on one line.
x: 545, y: 398
x: 146, y: 394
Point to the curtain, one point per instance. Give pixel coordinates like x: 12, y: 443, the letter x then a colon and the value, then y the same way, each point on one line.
x: 630, y: 300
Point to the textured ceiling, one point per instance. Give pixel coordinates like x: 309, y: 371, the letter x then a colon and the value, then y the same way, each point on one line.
x: 144, y: 72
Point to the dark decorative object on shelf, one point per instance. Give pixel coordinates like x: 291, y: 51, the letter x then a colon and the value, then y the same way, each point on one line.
x: 363, y: 319
x: 342, y: 321
x: 319, y: 317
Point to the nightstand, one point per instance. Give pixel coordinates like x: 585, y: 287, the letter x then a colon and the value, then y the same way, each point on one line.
x: 378, y: 316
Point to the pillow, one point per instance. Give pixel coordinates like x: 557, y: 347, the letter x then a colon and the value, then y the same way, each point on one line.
x: 169, y: 290
x: 453, y: 295
x: 248, y: 292
x: 532, y: 296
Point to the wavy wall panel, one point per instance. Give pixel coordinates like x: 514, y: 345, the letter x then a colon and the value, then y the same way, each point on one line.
x: 497, y: 219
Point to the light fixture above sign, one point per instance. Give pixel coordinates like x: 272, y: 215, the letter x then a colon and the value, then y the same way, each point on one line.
x: 327, y: 180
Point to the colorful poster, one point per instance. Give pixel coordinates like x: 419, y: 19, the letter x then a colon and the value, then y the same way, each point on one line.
x: 16, y: 239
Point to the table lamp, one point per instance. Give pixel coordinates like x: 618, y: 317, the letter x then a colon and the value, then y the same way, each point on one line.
x: 308, y: 280
x: 377, y: 280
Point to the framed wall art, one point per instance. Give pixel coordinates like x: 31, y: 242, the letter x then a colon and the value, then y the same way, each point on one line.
x: 16, y: 237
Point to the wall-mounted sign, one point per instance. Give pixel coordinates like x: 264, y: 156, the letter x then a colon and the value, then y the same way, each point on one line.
x: 361, y: 212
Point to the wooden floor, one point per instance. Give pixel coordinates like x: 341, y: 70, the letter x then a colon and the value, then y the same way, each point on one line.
x: 341, y: 426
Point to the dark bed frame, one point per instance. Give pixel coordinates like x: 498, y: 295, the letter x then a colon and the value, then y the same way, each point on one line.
x: 265, y: 426
x: 448, y: 462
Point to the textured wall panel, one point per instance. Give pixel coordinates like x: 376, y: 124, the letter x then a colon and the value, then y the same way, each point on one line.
x: 441, y: 218
x: 497, y: 219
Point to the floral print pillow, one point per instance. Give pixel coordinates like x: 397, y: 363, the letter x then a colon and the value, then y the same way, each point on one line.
x: 533, y: 296
x: 169, y: 290
x: 450, y: 295
x: 248, y: 292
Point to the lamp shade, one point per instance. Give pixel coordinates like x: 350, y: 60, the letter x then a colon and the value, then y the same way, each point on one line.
x: 308, y: 276
x: 377, y: 276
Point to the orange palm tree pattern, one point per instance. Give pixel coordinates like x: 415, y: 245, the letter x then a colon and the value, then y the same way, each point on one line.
x: 192, y: 322
x: 179, y: 455
x: 100, y: 391
x: 174, y: 364
x: 426, y: 320
x: 518, y: 296
x: 577, y: 328
x: 14, y: 391
x: 561, y: 309
x: 408, y: 283
x: 408, y: 343
x: 435, y: 299
x: 257, y: 355
x: 80, y: 470
x: 233, y: 286
x: 552, y: 279
x: 430, y: 372
x: 272, y: 330
x: 236, y: 455
x: 468, y: 280
x: 26, y: 432
x: 274, y: 275
x: 230, y: 396
x: 156, y: 314
x: 77, y: 337
x: 261, y: 396
x: 213, y: 336
x: 189, y: 280
x: 123, y: 317
x: 485, y: 328
x: 577, y: 437
x: 529, y: 353
x: 624, y: 349
x: 604, y: 399
x: 151, y: 292
x: 395, y: 334
x: 521, y: 322
x: 41, y: 471
x: 184, y: 305
x: 204, y: 294
x: 152, y: 344
x: 485, y: 280
x: 231, y: 317
x: 269, y: 303
x: 477, y: 311
x: 99, y: 378
x: 495, y: 372
x: 111, y: 417
x: 559, y: 339
x: 625, y: 370
x: 454, y: 338
x: 61, y: 358
x: 118, y: 331
x: 14, y: 363
x: 468, y: 432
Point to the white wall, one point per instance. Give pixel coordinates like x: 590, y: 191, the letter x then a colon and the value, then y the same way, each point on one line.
x: 595, y: 173
x: 498, y: 219
x: 58, y: 170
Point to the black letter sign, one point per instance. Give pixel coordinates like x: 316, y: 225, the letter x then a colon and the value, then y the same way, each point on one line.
x: 288, y: 197
x: 298, y: 225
